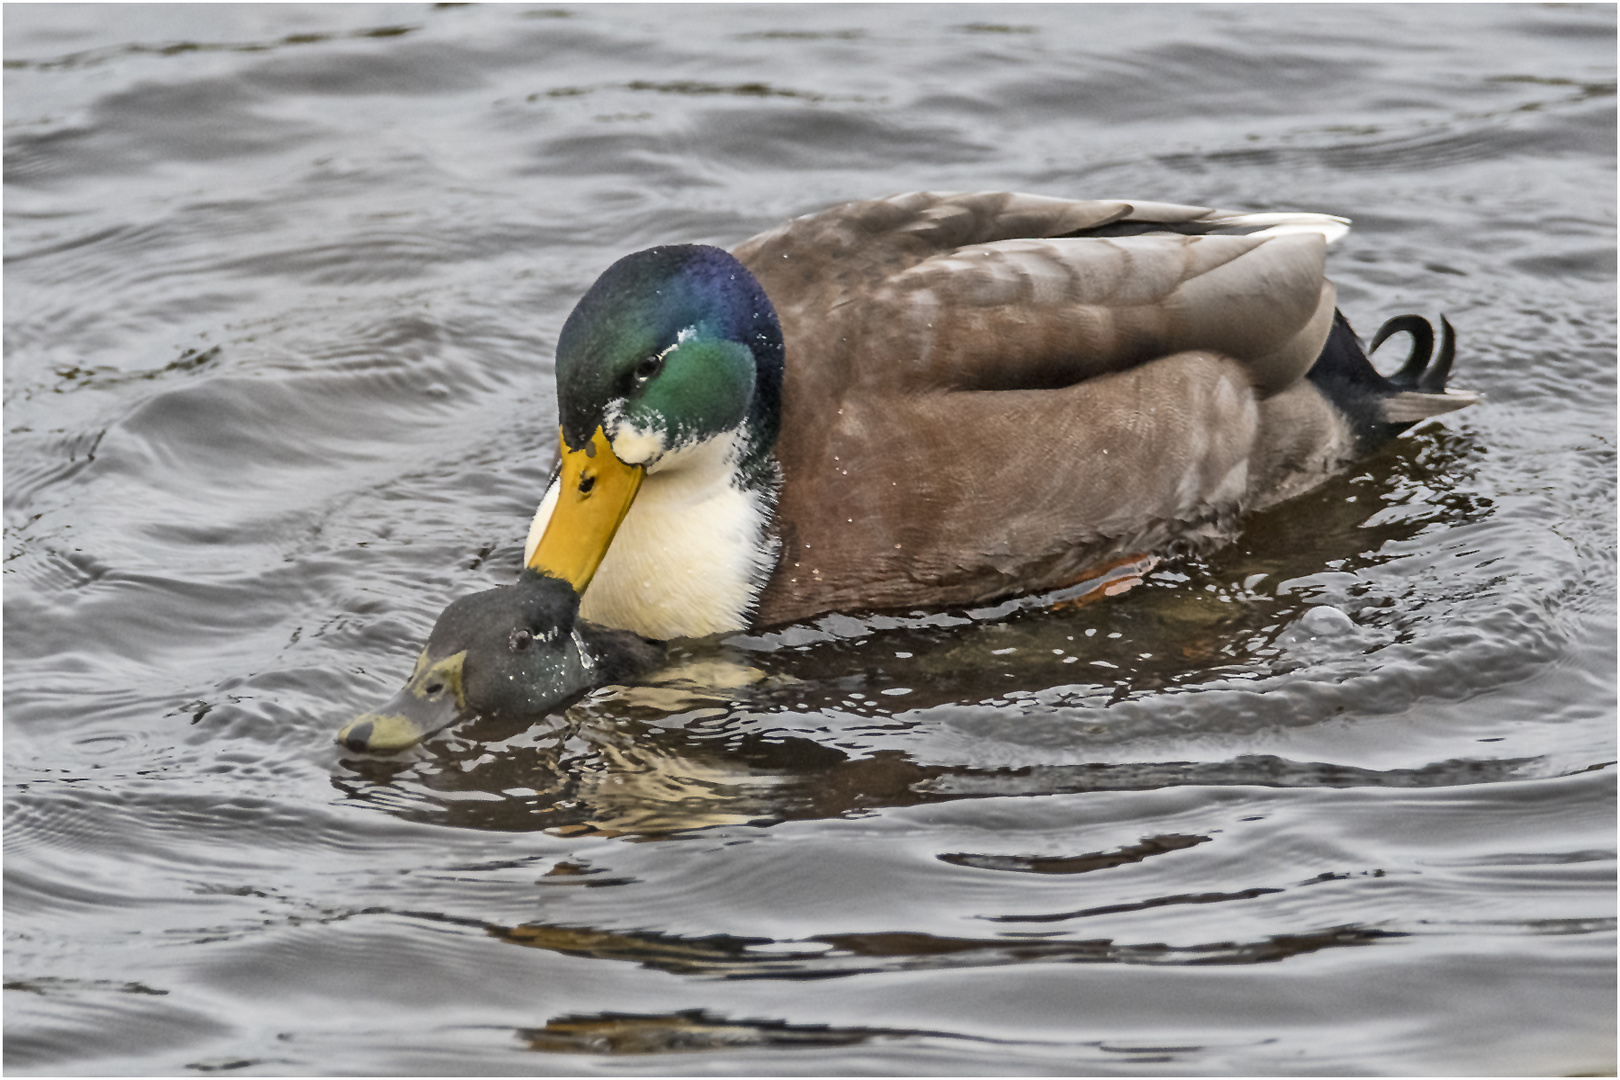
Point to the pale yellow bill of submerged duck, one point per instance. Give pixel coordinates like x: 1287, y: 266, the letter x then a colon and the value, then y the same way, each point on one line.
x: 936, y: 400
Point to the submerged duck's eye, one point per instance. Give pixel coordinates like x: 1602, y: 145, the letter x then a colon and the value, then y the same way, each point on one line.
x: 520, y: 639
x: 649, y: 367
x: 434, y: 688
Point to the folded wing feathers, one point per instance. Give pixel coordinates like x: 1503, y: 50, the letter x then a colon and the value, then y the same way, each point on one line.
x: 984, y: 217
x: 999, y: 290
x: 1054, y: 311
x: 1326, y: 225
x: 959, y: 220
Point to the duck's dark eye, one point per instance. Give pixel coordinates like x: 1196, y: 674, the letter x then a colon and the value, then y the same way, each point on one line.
x: 649, y: 367
x: 434, y: 688
x: 520, y: 639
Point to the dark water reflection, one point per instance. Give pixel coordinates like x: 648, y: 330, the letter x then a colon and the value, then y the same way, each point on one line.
x: 282, y: 288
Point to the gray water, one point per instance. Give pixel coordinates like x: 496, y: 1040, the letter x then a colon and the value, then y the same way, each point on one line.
x: 282, y: 286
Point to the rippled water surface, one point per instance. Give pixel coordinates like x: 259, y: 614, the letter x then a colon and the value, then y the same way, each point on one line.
x: 282, y: 286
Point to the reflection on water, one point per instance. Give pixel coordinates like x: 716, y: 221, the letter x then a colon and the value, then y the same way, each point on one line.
x: 685, y: 1031
x: 838, y: 955
x: 650, y: 780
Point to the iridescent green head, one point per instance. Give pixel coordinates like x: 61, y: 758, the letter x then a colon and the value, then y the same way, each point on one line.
x: 671, y: 346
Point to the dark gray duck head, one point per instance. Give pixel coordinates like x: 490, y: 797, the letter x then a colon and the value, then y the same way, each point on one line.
x: 519, y: 650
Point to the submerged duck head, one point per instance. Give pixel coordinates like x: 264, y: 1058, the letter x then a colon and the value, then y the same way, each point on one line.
x: 518, y: 650
x: 671, y: 349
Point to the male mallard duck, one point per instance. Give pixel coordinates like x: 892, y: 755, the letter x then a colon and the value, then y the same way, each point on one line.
x: 934, y: 400
x: 518, y: 650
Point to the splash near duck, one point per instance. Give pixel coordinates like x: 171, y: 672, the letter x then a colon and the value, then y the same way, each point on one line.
x: 913, y: 402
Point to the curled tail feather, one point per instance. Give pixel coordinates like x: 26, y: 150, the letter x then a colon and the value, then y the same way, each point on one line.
x: 1422, y: 345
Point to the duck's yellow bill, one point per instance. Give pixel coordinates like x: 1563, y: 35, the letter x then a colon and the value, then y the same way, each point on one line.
x: 432, y: 699
x: 594, y: 493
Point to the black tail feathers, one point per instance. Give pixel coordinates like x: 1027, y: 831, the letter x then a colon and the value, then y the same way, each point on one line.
x: 1417, y: 373
x: 1379, y: 408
